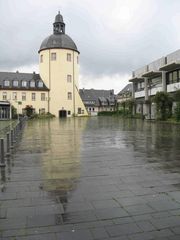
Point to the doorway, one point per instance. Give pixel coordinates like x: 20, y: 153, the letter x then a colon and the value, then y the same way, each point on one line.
x: 62, y: 113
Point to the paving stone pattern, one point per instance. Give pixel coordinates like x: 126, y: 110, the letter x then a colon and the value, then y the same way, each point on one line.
x: 92, y: 178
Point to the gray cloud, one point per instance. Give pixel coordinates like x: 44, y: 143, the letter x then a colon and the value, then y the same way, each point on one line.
x: 114, y: 37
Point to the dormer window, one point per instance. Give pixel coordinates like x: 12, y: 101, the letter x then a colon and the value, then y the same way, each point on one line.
x: 32, y: 84
x: 6, y: 83
x: 40, y: 84
x: 15, y: 83
x: 24, y: 84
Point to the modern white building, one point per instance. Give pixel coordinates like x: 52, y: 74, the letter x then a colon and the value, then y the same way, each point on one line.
x: 160, y: 75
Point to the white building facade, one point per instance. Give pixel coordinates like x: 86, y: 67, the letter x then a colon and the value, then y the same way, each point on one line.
x: 161, y: 75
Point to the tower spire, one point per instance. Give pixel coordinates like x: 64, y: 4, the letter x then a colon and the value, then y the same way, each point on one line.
x: 59, y: 25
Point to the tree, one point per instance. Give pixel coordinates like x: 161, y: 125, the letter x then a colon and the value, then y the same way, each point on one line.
x: 29, y: 110
x: 177, y: 96
x: 177, y: 108
x: 163, y: 105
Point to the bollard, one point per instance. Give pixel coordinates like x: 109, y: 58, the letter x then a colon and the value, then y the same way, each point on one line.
x: 12, y: 138
x: 2, y: 160
x: 14, y: 131
x: 20, y: 125
x: 8, y: 144
x: 17, y: 131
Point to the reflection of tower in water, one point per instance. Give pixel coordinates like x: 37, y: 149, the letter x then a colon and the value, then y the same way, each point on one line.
x: 61, y: 164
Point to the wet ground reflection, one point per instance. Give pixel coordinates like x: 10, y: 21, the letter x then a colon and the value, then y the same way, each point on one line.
x: 88, y: 173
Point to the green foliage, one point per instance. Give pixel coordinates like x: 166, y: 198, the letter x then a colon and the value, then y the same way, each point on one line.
x: 106, y: 113
x: 29, y: 110
x: 43, y: 116
x: 127, y: 107
x: 163, y: 105
x: 177, y: 96
x: 177, y: 112
x: 177, y: 108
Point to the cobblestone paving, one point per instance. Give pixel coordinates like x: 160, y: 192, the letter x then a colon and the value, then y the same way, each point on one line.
x: 87, y: 179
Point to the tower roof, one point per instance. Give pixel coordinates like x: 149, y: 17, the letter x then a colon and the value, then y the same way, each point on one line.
x: 58, y: 39
x: 58, y: 18
x: 62, y: 41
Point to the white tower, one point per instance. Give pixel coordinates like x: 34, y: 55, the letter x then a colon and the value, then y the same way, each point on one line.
x: 59, y: 69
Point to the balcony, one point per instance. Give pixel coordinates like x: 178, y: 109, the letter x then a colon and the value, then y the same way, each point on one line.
x: 137, y: 74
x: 154, y: 90
x: 173, y: 87
x: 139, y: 94
x: 153, y: 68
x: 172, y: 61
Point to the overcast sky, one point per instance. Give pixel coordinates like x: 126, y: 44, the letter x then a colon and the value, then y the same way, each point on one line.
x: 114, y: 37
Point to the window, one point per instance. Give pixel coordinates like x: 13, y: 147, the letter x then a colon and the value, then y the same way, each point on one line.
x: 175, y: 76
x: 93, y: 109
x: 42, y: 96
x: 40, y: 84
x: 69, y: 95
x: 68, y: 57
x: 4, y: 95
x: 53, y: 56
x: 69, y: 78
x: 32, y: 83
x: 14, y: 95
x: 15, y: 83
x: 79, y: 110
x: 24, y: 84
x: 33, y: 96
x: 69, y: 112
x: 23, y: 96
x: 6, y: 83
x: 41, y: 58
x: 170, y: 77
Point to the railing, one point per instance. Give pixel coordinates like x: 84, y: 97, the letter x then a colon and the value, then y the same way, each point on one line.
x: 172, y: 57
x: 154, y: 90
x: 9, y: 138
x: 139, y: 94
x: 173, y: 87
x: 139, y: 72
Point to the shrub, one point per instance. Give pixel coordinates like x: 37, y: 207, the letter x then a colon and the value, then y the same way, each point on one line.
x: 163, y: 105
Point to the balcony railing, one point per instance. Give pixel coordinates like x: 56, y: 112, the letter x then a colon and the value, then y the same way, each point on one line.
x: 139, y: 72
x: 173, y: 57
x: 154, y: 66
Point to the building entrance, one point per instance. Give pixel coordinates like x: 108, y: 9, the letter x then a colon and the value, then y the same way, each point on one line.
x: 4, y: 110
x: 62, y: 113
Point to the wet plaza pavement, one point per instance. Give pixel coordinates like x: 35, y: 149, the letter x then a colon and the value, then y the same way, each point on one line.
x: 92, y: 178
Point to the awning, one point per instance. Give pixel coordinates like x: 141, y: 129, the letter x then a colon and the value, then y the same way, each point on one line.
x: 170, y: 66
x: 136, y: 79
x: 152, y: 74
x: 4, y: 103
